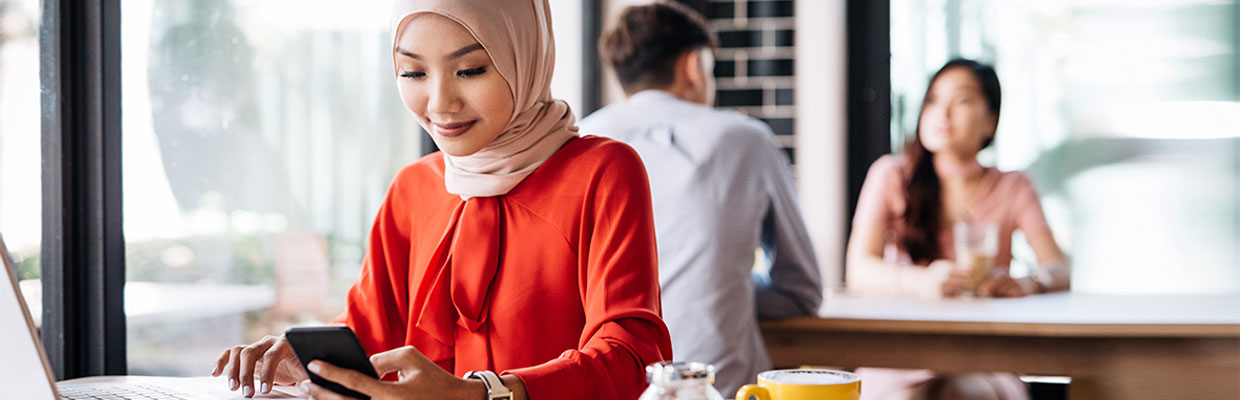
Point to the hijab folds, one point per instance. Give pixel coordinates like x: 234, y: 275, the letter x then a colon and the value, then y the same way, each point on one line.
x: 517, y: 35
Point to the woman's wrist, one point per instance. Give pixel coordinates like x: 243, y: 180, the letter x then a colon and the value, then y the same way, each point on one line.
x: 473, y: 389
x: 1030, y: 285
x: 930, y: 279
x: 910, y: 280
x: 516, y: 385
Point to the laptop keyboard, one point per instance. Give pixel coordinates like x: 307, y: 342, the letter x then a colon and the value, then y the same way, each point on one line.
x: 122, y: 392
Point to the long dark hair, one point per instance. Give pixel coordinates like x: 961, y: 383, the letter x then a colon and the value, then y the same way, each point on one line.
x: 923, y: 215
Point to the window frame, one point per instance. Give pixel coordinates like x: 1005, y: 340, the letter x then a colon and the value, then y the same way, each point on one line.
x: 591, y: 67
x: 869, y: 94
x: 83, y: 248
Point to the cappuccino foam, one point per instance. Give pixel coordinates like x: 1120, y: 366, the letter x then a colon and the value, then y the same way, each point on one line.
x: 809, y: 377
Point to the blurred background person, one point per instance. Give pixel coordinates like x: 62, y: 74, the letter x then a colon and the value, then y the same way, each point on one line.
x: 721, y: 189
x: 902, y: 239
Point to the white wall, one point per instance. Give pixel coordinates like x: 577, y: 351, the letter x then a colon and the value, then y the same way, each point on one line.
x: 566, y: 25
x: 821, y: 126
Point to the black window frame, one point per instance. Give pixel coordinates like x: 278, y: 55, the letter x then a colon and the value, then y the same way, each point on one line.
x: 868, y: 29
x: 83, y: 249
x: 591, y: 65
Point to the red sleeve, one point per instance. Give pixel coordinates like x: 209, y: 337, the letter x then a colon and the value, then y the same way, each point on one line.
x: 372, y: 308
x: 624, y: 330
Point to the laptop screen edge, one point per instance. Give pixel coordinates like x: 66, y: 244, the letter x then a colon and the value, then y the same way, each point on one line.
x: 11, y: 270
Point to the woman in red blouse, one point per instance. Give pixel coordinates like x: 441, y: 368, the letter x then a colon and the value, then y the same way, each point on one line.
x: 520, y: 248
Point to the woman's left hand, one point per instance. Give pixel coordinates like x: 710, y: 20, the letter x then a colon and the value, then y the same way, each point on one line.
x: 1006, y: 286
x: 418, y: 378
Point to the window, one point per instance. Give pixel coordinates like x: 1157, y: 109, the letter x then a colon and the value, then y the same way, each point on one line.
x: 1125, y: 114
x: 20, y: 185
x: 258, y: 144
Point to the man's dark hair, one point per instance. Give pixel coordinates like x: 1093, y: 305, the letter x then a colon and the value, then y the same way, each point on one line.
x: 647, y: 40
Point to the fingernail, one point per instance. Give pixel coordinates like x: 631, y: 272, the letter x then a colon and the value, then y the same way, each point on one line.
x: 232, y: 384
x: 305, y: 387
x: 266, y: 388
x: 313, y: 367
x: 249, y: 391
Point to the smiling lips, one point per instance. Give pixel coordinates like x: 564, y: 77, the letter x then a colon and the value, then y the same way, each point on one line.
x: 452, y: 129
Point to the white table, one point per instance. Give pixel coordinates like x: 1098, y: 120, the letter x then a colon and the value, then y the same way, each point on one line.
x: 160, y: 302
x: 1113, y: 346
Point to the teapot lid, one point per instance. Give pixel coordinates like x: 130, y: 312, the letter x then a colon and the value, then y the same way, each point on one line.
x: 672, y: 371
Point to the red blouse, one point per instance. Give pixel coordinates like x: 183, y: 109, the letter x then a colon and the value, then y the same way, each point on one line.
x: 555, y: 282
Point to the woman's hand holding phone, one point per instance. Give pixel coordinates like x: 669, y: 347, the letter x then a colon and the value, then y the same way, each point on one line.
x: 417, y: 378
x: 277, y: 362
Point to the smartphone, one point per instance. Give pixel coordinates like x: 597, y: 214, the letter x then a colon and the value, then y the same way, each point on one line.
x: 336, y: 345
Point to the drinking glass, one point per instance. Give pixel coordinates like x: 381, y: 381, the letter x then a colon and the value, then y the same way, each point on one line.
x: 976, y: 246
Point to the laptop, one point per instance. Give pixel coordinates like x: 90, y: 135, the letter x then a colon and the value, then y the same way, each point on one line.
x: 26, y: 374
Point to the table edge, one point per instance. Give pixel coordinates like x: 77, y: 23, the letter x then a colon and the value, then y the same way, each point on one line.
x: 993, y: 328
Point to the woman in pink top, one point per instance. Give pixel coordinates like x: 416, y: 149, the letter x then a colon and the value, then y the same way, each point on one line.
x: 902, y: 240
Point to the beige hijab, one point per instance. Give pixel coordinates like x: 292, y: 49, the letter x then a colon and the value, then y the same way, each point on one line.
x: 517, y: 36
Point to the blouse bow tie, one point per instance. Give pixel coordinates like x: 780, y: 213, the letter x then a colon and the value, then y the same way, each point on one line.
x: 457, y: 288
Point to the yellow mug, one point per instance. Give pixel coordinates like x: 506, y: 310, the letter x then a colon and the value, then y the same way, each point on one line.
x: 803, y: 384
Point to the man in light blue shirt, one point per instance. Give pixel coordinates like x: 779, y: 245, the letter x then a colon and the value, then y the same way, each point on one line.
x: 721, y: 189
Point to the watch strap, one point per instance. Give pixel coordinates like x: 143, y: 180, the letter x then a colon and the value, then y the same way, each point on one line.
x: 495, y: 387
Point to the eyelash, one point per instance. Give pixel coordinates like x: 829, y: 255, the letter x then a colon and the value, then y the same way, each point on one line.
x: 472, y: 72
x: 466, y: 73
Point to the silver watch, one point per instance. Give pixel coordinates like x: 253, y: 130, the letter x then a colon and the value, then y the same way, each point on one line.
x: 495, y: 387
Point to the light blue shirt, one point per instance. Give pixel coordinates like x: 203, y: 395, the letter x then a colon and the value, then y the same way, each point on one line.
x: 721, y: 189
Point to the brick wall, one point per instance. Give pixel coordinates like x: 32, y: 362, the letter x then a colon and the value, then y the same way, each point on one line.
x: 754, y: 66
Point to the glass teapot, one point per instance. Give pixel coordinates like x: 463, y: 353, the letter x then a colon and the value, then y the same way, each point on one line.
x: 680, y: 381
